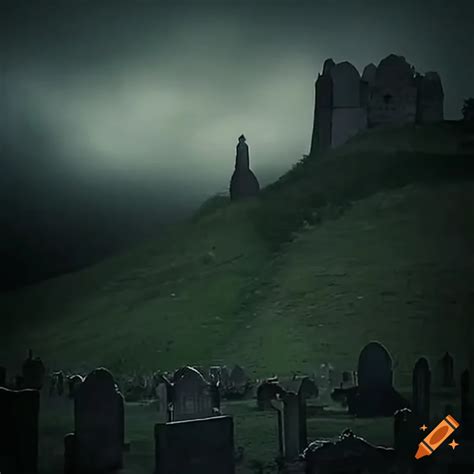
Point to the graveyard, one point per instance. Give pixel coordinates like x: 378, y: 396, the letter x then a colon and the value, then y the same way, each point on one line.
x: 180, y: 425
x: 367, y: 244
x: 255, y: 431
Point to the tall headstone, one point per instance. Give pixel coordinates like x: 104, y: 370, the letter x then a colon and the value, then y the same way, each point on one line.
x: 215, y: 372
x: 375, y: 368
x: 421, y: 390
x: 215, y: 391
x: 225, y: 376
x: 19, y: 412
x: 243, y: 183
x: 98, y: 423
x: 294, y: 425
x: 163, y: 402
x: 192, y: 395
x: 405, y: 434
x: 278, y: 406
x: 238, y: 380
x: 204, y: 446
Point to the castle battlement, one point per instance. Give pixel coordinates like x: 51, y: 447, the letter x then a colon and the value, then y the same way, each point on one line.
x: 392, y: 93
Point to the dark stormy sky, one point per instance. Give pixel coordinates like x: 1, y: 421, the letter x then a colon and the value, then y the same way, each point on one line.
x: 117, y: 115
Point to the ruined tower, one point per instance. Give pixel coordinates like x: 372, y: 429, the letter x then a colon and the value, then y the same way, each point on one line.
x: 339, y: 112
x: 430, y: 99
x: 391, y: 93
x: 243, y: 182
x: 393, y: 98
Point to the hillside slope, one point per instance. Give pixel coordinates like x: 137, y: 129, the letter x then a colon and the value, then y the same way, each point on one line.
x: 374, y: 241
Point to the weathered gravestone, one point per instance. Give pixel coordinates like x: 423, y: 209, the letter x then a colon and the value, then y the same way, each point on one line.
x: 278, y: 406
x: 164, y: 393
x: 375, y: 367
x: 406, y: 434
x: 349, y: 454
x: 33, y: 372
x: 215, y: 391
x: 291, y: 425
x: 98, y: 426
x: 204, y: 446
x: 234, y: 383
x: 215, y: 372
x: 421, y: 390
x: 238, y: 377
x: 375, y: 395
x: 346, y: 377
x: 19, y: 411
x: 192, y: 395
x: 266, y: 392
x: 225, y: 376
x: 303, y: 386
x: 3, y: 376
x: 74, y: 381
x: 56, y: 384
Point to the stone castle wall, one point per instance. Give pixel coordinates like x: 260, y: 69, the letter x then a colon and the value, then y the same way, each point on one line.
x: 391, y: 93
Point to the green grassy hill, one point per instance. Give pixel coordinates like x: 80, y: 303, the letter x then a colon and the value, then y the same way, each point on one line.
x: 372, y: 241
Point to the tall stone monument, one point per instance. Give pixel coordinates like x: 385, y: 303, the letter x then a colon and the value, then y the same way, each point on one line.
x: 243, y: 183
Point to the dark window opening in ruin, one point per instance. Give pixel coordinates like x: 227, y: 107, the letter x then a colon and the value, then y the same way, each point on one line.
x: 387, y: 98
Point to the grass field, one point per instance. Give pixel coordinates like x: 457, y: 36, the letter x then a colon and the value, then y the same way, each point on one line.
x: 374, y: 241
x: 255, y: 431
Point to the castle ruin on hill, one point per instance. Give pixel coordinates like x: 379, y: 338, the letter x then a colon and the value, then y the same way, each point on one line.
x: 392, y: 93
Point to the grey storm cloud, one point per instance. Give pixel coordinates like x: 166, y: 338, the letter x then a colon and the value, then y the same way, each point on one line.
x: 161, y: 92
x: 118, y: 116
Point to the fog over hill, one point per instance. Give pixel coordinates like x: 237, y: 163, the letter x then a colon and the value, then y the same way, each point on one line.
x: 120, y: 116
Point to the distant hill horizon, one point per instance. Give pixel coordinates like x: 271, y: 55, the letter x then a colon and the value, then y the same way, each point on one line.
x: 371, y: 241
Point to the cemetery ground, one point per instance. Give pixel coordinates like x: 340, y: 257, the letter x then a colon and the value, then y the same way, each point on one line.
x: 369, y: 242
x: 254, y: 430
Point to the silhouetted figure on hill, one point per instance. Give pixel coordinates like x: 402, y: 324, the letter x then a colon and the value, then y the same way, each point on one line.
x: 243, y: 182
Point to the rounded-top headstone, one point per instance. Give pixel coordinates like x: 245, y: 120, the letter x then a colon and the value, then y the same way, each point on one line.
x: 375, y: 367
x: 422, y: 364
x: 98, y: 423
x: 237, y: 375
x: 189, y: 375
x: 101, y: 378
